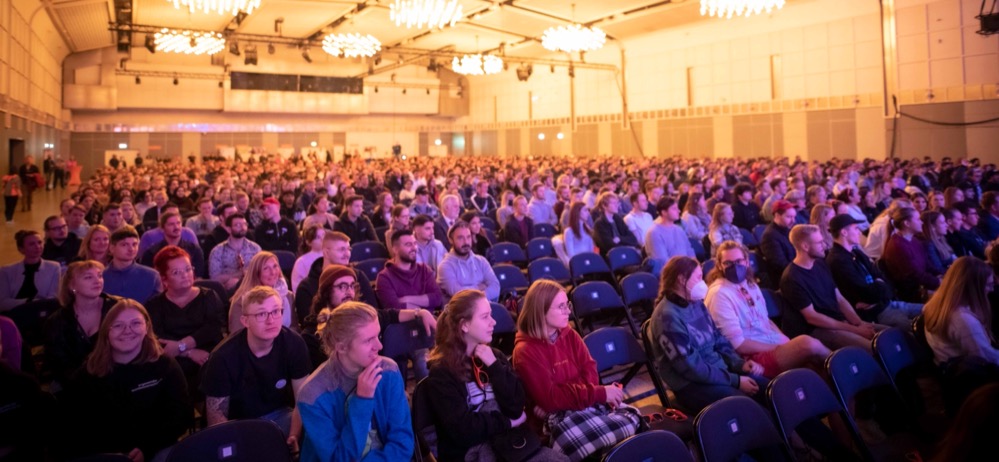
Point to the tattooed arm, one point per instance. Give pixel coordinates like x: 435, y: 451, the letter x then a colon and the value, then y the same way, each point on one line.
x: 217, y: 410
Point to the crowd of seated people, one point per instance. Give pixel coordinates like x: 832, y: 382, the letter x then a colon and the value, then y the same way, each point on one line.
x: 224, y: 290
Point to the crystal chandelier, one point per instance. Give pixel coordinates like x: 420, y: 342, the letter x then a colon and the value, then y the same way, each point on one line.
x: 189, y: 42
x: 425, y: 13
x: 574, y: 38
x: 230, y: 7
x: 729, y: 8
x: 477, y: 64
x: 351, y: 45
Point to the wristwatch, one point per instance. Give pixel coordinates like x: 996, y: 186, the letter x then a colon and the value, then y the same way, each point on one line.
x: 181, y: 347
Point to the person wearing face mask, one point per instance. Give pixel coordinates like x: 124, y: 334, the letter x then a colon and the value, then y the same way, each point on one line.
x: 737, y: 306
x: 695, y: 360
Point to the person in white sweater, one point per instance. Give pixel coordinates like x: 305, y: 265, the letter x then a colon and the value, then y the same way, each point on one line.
x: 638, y: 220
x: 575, y: 238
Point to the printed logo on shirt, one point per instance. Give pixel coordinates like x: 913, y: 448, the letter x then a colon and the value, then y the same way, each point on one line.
x: 149, y: 384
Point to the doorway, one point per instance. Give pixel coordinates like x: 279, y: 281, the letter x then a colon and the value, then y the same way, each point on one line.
x: 16, y: 153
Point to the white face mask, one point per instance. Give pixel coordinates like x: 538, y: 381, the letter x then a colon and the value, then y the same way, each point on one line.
x: 698, y: 291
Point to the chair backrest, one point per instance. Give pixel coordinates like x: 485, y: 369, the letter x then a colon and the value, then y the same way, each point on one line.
x: 548, y: 268
x: 488, y: 223
x: 540, y: 247
x: 286, y: 260
x: 707, y: 266
x: 544, y: 230
x: 360, y: 251
x: 919, y: 334
x: 775, y: 303
x: 511, y: 279
x: 371, y: 267
x: 639, y: 287
x: 798, y: 395
x: 30, y: 319
x: 699, y: 250
x: 400, y: 339
x: 748, y: 238
x: 651, y: 446
x: 380, y: 234
x: 423, y: 420
x: 234, y: 441
x: 623, y: 256
x: 754, y: 262
x: 733, y: 426
x: 592, y: 297
x: 758, y: 232
x: 215, y: 286
x: 895, y: 350
x: 503, y: 252
x: 853, y: 370
x: 657, y: 381
x: 504, y: 321
x: 587, y: 263
x: 614, y: 346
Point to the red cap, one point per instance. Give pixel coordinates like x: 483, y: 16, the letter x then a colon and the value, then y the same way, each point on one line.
x: 271, y: 201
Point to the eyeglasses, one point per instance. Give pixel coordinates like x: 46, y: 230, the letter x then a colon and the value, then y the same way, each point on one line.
x: 137, y: 325
x: 566, y: 307
x: 728, y: 263
x: 479, y: 373
x: 345, y: 286
x: 181, y: 271
x: 265, y: 315
x: 56, y: 228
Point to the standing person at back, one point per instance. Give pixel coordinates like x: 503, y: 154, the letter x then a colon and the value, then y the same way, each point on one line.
x: 11, y: 193
x: 29, y: 174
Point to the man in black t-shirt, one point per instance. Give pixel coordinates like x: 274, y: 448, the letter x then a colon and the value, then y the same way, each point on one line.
x: 808, y: 286
x: 256, y: 372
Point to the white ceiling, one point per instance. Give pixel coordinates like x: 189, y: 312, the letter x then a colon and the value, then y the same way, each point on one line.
x: 487, y: 24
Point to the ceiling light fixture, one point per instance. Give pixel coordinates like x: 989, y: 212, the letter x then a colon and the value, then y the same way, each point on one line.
x: 728, y: 8
x: 477, y: 64
x: 573, y: 38
x: 351, y: 45
x: 427, y: 14
x: 189, y: 42
x: 230, y: 7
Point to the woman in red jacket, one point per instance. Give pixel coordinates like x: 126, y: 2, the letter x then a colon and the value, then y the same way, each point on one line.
x: 561, y: 380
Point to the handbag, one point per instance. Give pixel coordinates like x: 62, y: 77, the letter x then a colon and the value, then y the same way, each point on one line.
x: 516, y: 445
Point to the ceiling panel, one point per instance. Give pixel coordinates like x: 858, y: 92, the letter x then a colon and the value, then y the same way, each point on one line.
x: 586, y: 11
x: 300, y: 18
x: 87, y: 25
x: 464, y: 38
x: 517, y: 21
x: 162, y: 13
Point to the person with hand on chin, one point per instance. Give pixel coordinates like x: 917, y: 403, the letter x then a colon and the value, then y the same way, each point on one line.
x: 695, y: 360
x: 354, y: 406
x: 474, y: 395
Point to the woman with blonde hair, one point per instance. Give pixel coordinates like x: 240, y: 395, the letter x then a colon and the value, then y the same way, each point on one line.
x: 129, y: 215
x: 71, y: 331
x: 110, y: 415
x: 695, y: 218
x: 354, y: 407
x: 95, y: 245
x: 474, y: 396
x: 575, y: 238
x: 721, y: 228
x: 263, y: 270
x: 958, y: 320
x: 310, y: 250
x: 822, y: 214
x: 561, y: 378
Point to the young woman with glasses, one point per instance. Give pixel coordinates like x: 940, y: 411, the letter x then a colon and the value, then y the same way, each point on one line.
x: 129, y: 398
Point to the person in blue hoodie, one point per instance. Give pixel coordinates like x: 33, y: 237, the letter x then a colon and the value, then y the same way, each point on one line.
x: 354, y: 406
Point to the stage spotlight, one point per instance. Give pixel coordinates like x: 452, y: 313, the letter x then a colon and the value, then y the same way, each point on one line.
x: 524, y: 72
x: 305, y: 55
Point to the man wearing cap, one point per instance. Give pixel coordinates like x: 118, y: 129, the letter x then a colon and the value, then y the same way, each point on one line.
x: 422, y: 205
x: 860, y: 281
x: 275, y: 232
x: 775, y: 246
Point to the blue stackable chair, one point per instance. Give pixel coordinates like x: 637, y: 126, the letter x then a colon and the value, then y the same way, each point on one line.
x: 624, y: 260
x: 540, y: 247
x: 504, y: 330
x: 733, y: 426
x: 512, y: 280
x: 399, y: 340
x: 749, y: 239
x: 707, y: 266
x: 639, y: 290
x: 544, y: 230
x: 614, y: 347
x: 549, y: 268
x: 371, y: 267
x: 589, y: 266
x: 248, y: 440
x: 506, y: 252
x: 699, y: 250
x: 651, y: 446
x: 489, y: 223
x: 594, y: 298
x: 286, y: 260
x: 360, y: 251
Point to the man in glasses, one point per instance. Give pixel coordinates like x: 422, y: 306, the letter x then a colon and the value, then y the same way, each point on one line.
x: 336, y: 251
x: 256, y: 372
x: 737, y: 306
x: 60, y: 245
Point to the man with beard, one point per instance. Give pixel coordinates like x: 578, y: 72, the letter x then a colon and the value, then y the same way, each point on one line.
x: 461, y: 269
x: 172, y: 230
x: 228, y: 260
x: 404, y: 283
x: 60, y: 245
x: 256, y: 373
x: 336, y: 251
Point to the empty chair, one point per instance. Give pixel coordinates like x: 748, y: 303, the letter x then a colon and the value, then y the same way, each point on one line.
x: 540, y: 247
x: 549, y: 268
x: 699, y: 250
x: 748, y: 239
x: 596, y: 298
x: 512, y: 280
x: 400, y: 340
x: 624, y: 260
x: 544, y: 230
x: 737, y: 425
x: 652, y: 446
x: 798, y: 396
x: 234, y: 441
x: 613, y: 347
x: 371, y: 267
x: 286, y: 260
x: 589, y: 266
x: 367, y: 250
x: 488, y: 223
x: 895, y: 350
x: 506, y: 252
x: 640, y: 290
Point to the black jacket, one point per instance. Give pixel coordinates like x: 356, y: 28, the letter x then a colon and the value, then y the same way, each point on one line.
x: 282, y: 235
x: 66, y: 344
x: 360, y: 231
x: 776, y: 249
x: 746, y: 216
x: 440, y: 231
x: 513, y: 233
x: 64, y: 253
x: 859, y: 280
x: 604, y: 231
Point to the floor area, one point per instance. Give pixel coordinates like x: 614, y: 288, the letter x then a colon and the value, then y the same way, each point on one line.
x: 44, y: 204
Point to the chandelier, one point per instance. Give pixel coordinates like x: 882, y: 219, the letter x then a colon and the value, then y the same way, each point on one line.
x: 230, y: 7
x: 729, y: 8
x: 351, y: 45
x: 189, y: 42
x: 425, y: 13
x: 574, y: 38
x: 477, y: 64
